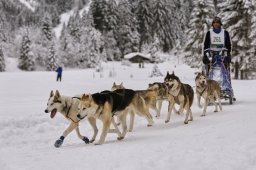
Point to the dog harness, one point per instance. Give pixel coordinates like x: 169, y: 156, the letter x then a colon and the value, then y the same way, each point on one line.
x: 68, y: 109
x: 202, y: 92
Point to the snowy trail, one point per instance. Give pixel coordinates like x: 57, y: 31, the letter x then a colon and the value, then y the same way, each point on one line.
x: 223, y: 140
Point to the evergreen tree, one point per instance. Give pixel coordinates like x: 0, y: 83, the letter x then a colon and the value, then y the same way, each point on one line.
x: 156, y: 72
x: 99, y: 8
x: 47, y: 27
x: 200, y: 22
x: 52, y: 59
x: 253, y: 38
x: 238, y: 20
x: 163, y: 25
x: 127, y: 35
x: 2, y: 61
x: 145, y: 18
x: 26, y: 60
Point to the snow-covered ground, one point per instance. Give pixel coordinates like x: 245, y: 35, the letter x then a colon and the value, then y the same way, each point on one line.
x: 219, y: 141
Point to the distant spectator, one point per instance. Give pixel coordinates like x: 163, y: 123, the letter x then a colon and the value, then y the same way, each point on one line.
x: 59, y: 73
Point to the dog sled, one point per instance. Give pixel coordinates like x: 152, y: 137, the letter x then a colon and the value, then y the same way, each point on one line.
x: 219, y: 71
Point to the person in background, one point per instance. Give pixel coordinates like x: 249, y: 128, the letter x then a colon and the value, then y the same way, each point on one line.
x: 59, y: 73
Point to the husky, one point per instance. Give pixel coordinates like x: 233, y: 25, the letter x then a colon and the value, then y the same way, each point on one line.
x: 105, y: 105
x: 179, y: 93
x: 68, y: 107
x: 162, y: 95
x: 209, y: 90
x: 149, y: 97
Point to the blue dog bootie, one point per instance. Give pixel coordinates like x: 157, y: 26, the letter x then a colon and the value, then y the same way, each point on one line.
x: 59, y: 142
x: 86, y: 140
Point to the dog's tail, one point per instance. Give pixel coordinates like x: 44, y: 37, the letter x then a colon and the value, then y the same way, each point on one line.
x: 191, y: 96
x: 150, y: 97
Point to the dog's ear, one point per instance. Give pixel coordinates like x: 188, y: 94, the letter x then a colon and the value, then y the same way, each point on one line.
x: 86, y: 96
x: 202, y: 73
x: 51, y: 94
x: 83, y: 97
x: 172, y: 72
x: 57, y: 94
x: 122, y: 86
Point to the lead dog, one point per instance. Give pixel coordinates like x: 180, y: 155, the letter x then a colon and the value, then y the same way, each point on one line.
x: 149, y: 97
x: 105, y: 105
x: 68, y: 107
x: 209, y: 90
x: 179, y: 93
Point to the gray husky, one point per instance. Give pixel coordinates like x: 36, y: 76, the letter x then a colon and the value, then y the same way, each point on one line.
x: 209, y: 90
x: 179, y: 93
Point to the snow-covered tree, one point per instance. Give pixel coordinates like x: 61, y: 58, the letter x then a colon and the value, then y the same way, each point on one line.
x: 99, y: 10
x: 238, y: 19
x: 180, y: 11
x: 47, y: 27
x: 163, y: 25
x: 200, y: 22
x: 110, y: 46
x: 252, y: 36
x: 156, y: 72
x: 52, y: 59
x: 2, y: 61
x: 144, y: 15
x: 127, y: 35
x: 26, y: 60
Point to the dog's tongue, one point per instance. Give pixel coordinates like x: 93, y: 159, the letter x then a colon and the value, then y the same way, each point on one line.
x: 53, y: 113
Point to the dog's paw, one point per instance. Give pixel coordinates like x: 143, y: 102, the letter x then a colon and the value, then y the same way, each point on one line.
x: 98, y: 143
x: 185, y: 122
x: 58, y: 143
x: 92, y: 140
x: 167, y: 121
x: 120, y: 138
x: 86, y: 140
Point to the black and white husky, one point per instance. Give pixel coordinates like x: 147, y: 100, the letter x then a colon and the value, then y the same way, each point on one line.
x: 179, y: 93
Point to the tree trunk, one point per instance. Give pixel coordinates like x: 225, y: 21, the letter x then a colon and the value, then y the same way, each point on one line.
x: 242, y: 74
x: 236, y: 69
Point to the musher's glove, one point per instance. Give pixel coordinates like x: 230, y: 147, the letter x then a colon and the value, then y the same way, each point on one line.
x: 229, y: 58
x: 206, y: 59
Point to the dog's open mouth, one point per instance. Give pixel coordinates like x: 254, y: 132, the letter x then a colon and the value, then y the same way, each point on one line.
x: 53, y: 113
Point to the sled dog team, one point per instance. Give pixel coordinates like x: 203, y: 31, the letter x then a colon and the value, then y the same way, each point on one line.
x: 112, y: 107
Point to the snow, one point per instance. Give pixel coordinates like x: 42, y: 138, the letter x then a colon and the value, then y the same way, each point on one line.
x: 64, y: 18
x: 222, y: 140
x: 131, y: 55
x: 28, y: 4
